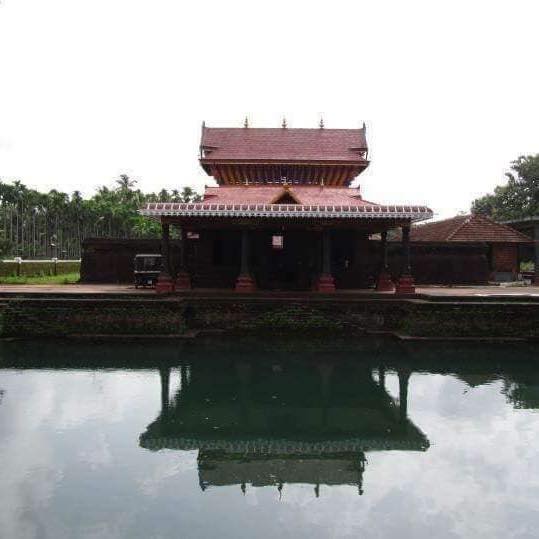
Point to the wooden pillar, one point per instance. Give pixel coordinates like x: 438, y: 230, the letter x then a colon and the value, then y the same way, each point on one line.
x: 382, y: 377
x: 245, y: 281
x: 405, y: 284
x: 165, y: 283
x: 536, y: 248
x: 164, y: 374
x: 326, y: 282
x: 183, y: 279
x: 404, y: 377
x: 384, y: 282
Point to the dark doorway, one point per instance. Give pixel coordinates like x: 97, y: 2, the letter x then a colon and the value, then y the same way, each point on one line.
x: 286, y: 260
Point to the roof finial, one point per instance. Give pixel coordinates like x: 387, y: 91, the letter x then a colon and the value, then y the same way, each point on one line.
x: 321, y: 122
x: 364, y: 127
x: 284, y: 125
x: 246, y: 122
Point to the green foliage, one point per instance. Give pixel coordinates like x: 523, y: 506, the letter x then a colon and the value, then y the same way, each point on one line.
x: 53, y: 224
x: 519, y: 197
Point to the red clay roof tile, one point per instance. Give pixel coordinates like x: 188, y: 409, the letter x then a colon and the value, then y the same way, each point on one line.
x: 467, y: 228
x: 266, y: 194
x: 278, y: 144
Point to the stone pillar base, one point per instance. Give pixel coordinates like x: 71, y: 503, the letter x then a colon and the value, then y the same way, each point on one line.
x: 384, y: 283
x: 405, y: 285
x: 183, y: 281
x: 325, y: 283
x: 165, y: 284
x: 245, y: 283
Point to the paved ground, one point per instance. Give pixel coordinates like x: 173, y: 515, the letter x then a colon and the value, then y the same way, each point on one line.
x: 464, y: 291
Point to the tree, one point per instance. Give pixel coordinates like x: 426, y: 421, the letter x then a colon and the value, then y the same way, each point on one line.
x: 125, y: 183
x: 519, y: 197
x: 34, y: 224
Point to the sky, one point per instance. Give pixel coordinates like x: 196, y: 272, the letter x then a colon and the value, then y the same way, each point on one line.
x: 91, y: 89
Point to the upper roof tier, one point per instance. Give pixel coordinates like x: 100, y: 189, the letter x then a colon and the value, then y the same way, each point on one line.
x: 283, y: 155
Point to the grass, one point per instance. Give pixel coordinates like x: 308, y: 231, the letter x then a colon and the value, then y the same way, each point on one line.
x: 65, y: 278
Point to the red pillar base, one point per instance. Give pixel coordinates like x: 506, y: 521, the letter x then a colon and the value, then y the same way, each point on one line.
x: 183, y: 281
x: 405, y: 285
x: 245, y: 283
x: 384, y: 283
x: 165, y: 284
x: 325, y: 283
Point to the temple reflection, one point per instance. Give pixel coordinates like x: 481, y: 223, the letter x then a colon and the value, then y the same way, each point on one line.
x: 271, y: 423
x: 522, y: 389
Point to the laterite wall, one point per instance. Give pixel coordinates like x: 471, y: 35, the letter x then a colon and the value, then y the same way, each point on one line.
x: 54, y: 317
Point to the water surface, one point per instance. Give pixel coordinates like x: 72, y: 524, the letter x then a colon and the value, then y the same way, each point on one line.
x: 268, y: 439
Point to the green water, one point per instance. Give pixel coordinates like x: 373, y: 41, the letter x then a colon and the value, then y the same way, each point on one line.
x: 260, y: 439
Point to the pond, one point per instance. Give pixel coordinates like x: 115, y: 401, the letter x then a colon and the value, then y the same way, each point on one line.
x: 268, y: 438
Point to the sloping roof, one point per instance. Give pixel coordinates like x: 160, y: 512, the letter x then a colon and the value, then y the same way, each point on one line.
x: 467, y: 228
x: 157, y: 210
x: 283, y: 144
x: 266, y: 194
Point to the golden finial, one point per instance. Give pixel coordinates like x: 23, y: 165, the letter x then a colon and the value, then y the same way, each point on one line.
x: 284, y: 125
x: 321, y: 122
x: 246, y: 122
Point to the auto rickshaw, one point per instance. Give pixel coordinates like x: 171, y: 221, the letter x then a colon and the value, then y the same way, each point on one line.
x: 147, y: 269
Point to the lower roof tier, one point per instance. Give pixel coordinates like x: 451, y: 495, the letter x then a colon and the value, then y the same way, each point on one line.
x: 367, y: 211
x: 303, y: 202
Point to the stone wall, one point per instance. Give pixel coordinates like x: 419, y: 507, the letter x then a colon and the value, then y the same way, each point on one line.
x: 107, y: 260
x: 56, y: 317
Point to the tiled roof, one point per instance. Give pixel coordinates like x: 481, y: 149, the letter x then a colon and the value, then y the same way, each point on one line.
x: 467, y: 228
x: 268, y: 194
x: 293, y: 211
x: 284, y: 145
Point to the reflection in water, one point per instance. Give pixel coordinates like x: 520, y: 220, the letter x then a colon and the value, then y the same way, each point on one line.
x: 276, y: 423
x: 522, y: 389
x: 137, y: 441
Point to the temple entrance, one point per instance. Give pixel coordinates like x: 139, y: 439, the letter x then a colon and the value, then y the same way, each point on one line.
x: 287, y: 260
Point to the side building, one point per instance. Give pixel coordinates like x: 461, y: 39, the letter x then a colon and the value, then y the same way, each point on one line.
x: 503, y: 242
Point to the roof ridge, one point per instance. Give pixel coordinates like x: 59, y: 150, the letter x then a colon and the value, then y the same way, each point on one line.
x: 280, y: 128
x: 467, y: 219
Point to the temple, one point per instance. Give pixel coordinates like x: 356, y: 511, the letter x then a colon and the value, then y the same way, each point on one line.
x: 283, y: 216
x: 252, y: 426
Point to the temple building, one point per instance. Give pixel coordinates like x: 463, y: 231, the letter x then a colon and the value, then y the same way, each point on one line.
x: 283, y: 215
x: 252, y: 426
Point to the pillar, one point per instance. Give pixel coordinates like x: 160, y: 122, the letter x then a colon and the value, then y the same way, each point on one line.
x: 165, y: 284
x: 382, y: 377
x: 536, y: 248
x: 183, y: 280
x: 405, y: 285
x: 404, y: 377
x: 384, y: 282
x: 245, y: 281
x: 164, y: 374
x: 326, y: 283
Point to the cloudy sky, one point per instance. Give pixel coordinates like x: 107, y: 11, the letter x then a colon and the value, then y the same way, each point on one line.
x: 90, y: 89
